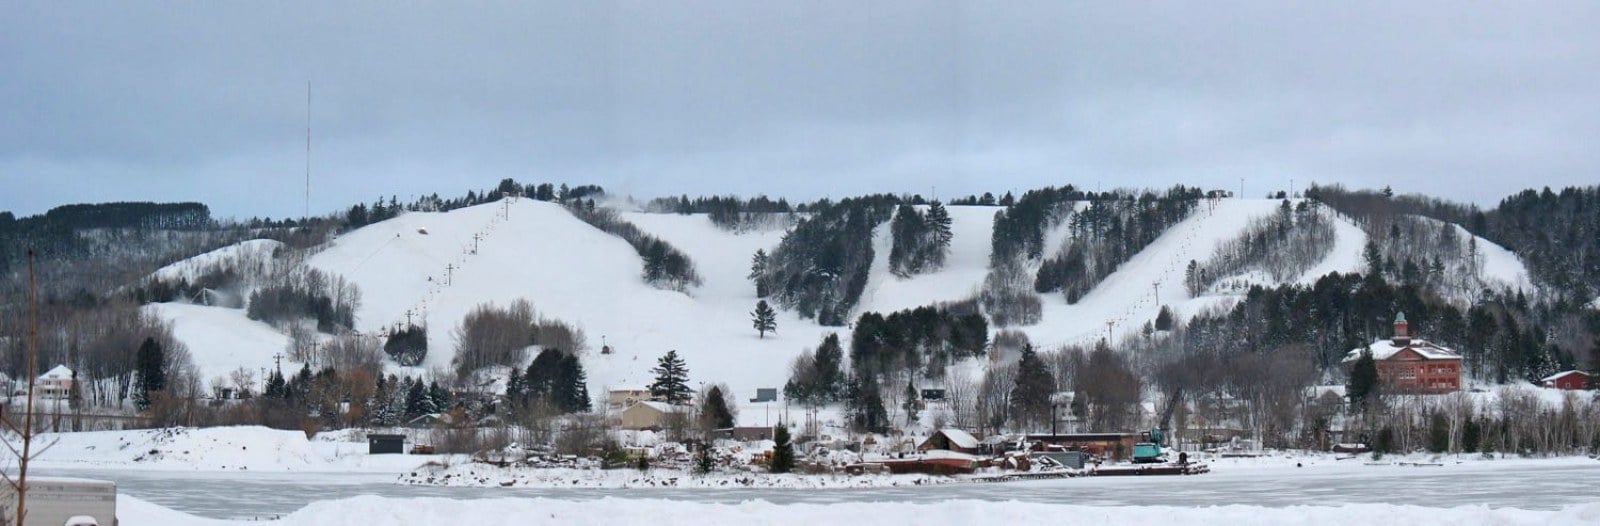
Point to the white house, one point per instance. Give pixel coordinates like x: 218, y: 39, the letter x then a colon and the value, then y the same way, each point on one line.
x: 55, y: 383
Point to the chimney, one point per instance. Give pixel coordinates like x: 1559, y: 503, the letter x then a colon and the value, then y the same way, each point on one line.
x: 1402, y: 336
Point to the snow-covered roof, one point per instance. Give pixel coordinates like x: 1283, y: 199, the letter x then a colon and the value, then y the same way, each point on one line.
x: 1553, y: 377
x: 1385, y: 348
x: 59, y: 372
x: 959, y: 438
x: 659, y: 406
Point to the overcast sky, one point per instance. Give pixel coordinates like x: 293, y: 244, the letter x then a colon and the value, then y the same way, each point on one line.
x: 206, y: 101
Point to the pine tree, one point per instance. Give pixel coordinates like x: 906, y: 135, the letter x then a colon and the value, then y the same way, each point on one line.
x: 672, y: 379
x: 764, y: 319
x: 150, y: 362
x: 939, y: 222
x: 758, y: 272
x: 1164, y: 319
x: 782, y: 451
x: 703, y: 462
x: 829, y: 367
x: 417, y: 401
x: 714, y: 409
x: 570, y: 391
x: 911, y: 403
x: 1030, y: 398
x: 1363, y: 386
x: 439, y: 397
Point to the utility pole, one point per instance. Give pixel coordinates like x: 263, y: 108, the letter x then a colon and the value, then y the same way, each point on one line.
x: 475, y: 239
x: 308, y: 150
x: 449, y: 272
x: 1109, y: 324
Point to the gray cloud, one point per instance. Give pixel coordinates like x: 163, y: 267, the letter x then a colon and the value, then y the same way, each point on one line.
x: 207, y: 101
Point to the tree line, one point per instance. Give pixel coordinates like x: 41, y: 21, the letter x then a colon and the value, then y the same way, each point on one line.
x: 821, y: 266
x: 665, y: 266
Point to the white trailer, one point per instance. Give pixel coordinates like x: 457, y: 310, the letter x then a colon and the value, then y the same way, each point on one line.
x: 56, y: 501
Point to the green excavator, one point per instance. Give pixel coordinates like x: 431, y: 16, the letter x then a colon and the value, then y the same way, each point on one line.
x: 1149, y: 451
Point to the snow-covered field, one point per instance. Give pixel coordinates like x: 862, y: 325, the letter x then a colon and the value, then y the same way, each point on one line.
x: 425, y: 511
x: 244, y: 448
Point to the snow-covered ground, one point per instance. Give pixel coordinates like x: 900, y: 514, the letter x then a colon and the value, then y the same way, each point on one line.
x: 221, y: 340
x: 425, y: 511
x: 216, y: 449
x: 242, y: 254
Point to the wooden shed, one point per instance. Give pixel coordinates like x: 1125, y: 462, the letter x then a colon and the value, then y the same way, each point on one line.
x: 950, y: 440
x: 384, y: 444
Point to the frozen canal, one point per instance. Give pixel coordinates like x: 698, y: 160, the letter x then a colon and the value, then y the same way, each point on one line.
x: 1517, y: 484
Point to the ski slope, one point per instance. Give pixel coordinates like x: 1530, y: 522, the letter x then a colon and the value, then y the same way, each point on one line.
x: 961, y: 277
x: 1135, y: 293
x: 571, y: 271
x: 242, y: 254
x: 433, y: 268
x: 221, y: 340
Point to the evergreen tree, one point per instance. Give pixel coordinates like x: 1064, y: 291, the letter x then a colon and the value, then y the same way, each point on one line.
x: 417, y: 401
x: 782, y: 451
x: 758, y: 272
x: 276, y: 387
x: 829, y: 364
x: 702, y: 460
x: 910, y: 404
x: 866, y: 406
x: 571, y: 390
x: 672, y: 379
x: 542, y: 374
x: 150, y: 363
x: 939, y: 222
x: 1030, y: 397
x: 1164, y: 319
x: 714, y: 409
x: 764, y: 319
x: 1362, y: 388
x: 439, y: 397
x: 516, y: 387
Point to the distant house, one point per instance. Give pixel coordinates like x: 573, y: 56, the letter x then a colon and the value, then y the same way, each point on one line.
x: 951, y: 440
x: 430, y: 420
x: 621, y: 398
x: 647, y: 414
x: 55, y: 383
x: 746, y: 434
x: 1569, y: 380
x: 1410, y: 365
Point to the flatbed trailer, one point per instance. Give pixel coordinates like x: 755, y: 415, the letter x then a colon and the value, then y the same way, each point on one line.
x: 1150, y: 469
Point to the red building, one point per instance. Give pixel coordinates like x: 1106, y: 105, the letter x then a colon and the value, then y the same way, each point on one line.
x: 1570, y: 380
x: 1411, y: 365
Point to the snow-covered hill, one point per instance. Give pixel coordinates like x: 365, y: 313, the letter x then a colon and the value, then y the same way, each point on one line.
x: 433, y: 268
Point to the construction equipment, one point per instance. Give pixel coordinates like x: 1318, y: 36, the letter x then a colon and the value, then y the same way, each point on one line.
x: 1149, y: 451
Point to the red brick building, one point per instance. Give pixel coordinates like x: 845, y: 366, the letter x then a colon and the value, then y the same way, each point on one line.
x: 1412, y: 365
x: 1570, y: 380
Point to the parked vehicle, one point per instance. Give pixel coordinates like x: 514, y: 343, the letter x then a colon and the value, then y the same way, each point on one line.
x: 67, y: 501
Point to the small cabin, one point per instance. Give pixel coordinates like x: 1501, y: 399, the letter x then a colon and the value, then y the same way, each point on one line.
x: 385, y: 444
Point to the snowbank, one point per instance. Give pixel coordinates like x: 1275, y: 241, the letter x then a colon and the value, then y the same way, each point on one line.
x: 243, y: 448
x: 483, y: 475
x: 423, y: 511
